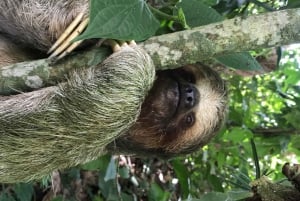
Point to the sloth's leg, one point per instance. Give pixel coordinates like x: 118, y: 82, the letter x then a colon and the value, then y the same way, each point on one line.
x: 63, y: 45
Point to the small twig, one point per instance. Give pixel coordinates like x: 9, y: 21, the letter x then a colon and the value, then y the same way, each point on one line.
x: 163, y: 15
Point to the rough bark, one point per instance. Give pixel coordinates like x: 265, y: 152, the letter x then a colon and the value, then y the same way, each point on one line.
x: 265, y: 190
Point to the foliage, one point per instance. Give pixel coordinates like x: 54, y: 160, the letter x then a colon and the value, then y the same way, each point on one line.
x: 120, y: 19
x: 263, y: 108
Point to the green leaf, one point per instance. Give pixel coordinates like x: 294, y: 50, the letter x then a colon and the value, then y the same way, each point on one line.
x: 120, y: 19
x: 124, y: 172
x: 181, y: 18
x: 238, y: 134
x: 242, y: 60
x: 293, y: 118
x: 156, y: 193
x: 198, y: 14
x: 6, y: 197
x: 111, y: 171
x: 293, y: 4
x: 293, y: 76
x: 126, y: 197
x: 97, y: 198
x: 58, y: 198
x: 221, y: 158
x: 98, y: 164
x: 105, y: 187
x: 24, y: 191
x: 215, y: 196
x: 230, y: 196
x: 113, y: 195
x: 239, y: 194
x: 183, y: 176
x: 215, y: 182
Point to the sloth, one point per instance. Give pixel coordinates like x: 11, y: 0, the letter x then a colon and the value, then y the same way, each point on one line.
x: 94, y: 112
x: 184, y: 109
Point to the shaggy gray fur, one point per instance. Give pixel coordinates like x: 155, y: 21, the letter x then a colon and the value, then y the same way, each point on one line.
x: 60, y: 127
x: 43, y: 21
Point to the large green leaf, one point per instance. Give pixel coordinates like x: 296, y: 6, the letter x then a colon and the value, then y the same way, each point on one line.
x: 293, y: 118
x: 215, y: 182
x: 293, y: 4
x: 111, y: 171
x: 156, y: 193
x: 238, y: 134
x: 58, y: 198
x: 183, y: 176
x: 199, y: 14
x: 126, y: 197
x: 229, y: 196
x: 6, y: 197
x: 241, y: 60
x: 24, y: 191
x: 98, y: 164
x: 109, y: 189
x: 120, y: 19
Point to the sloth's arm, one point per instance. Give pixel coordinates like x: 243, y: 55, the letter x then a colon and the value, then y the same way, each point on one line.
x: 60, y: 127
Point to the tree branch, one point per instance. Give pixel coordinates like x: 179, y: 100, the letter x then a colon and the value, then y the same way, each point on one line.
x: 235, y: 35
x: 170, y: 50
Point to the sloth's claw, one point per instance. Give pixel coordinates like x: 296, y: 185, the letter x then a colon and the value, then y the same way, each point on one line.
x: 67, y: 32
x: 63, y: 45
x: 117, y: 46
x: 132, y: 43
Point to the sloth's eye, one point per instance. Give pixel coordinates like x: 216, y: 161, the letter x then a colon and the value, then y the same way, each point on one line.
x: 189, y: 119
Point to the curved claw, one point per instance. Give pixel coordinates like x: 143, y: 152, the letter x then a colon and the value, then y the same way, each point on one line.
x: 119, y: 45
x: 63, y: 45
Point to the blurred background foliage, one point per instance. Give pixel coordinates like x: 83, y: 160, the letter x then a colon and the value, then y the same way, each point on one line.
x: 264, y: 108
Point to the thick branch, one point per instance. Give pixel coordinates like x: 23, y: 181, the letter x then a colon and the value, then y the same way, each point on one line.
x: 36, y: 74
x: 170, y: 50
x: 235, y: 35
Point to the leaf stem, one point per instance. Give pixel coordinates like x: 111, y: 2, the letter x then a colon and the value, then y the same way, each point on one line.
x: 163, y: 15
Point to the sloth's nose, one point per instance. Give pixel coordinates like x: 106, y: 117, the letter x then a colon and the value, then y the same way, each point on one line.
x: 190, y: 96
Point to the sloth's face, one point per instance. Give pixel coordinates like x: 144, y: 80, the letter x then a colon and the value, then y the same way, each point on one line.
x: 182, y: 112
